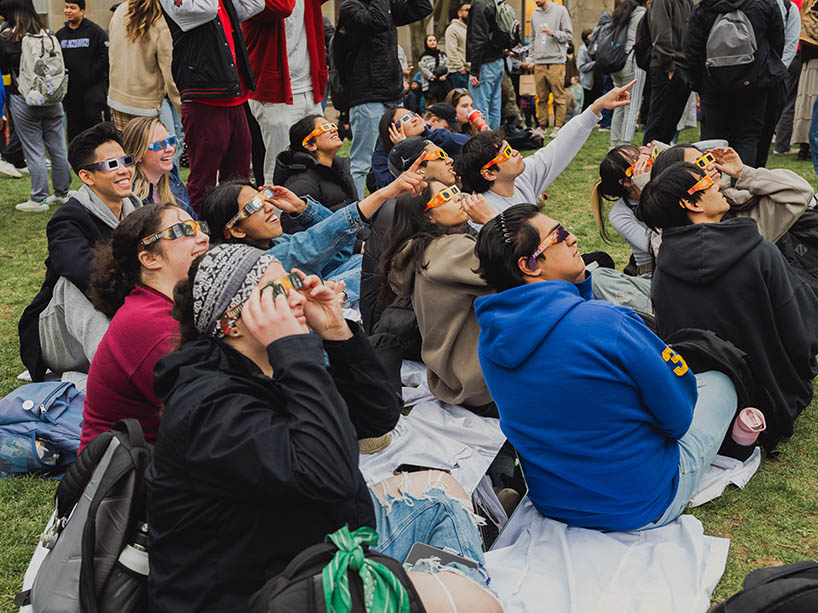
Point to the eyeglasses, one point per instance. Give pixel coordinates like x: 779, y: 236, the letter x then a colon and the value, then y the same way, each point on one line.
x: 702, y: 184
x: 442, y: 197
x: 501, y: 157
x: 703, y: 161
x: 324, y: 127
x: 112, y: 164
x: 461, y: 90
x: 170, y: 141
x: 559, y: 235
x: 256, y: 204
x: 283, y: 285
x: 177, y: 230
x: 406, y: 118
x: 437, y: 154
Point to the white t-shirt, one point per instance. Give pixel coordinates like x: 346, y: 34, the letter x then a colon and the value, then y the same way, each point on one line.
x: 297, y: 53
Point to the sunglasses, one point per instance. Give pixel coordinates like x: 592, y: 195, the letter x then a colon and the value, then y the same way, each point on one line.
x: 437, y: 154
x: 406, y: 118
x: 559, y: 235
x: 170, y: 141
x: 283, y: 285
x: 177, y: 230
x: 256, y: 204
x: 501, y: 157
x: 442, y: 197
x: 703, y: 161
x: 702, y: 184
x: 112, y: 164
x: 324, y: 127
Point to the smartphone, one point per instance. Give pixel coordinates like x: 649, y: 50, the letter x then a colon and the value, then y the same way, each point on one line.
x: 422, y: 551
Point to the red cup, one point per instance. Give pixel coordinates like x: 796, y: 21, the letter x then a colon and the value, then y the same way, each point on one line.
x: 476, y: 118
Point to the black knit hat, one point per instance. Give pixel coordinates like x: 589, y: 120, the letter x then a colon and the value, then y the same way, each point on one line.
x: 403, y: 155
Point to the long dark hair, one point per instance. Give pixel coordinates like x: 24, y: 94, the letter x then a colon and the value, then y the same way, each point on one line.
x: 299, y: 131
x: 383, y: 126
x: 660, y: 205
x: 117, y: 269
x: 502, y: 242
x: 622, y: 13
x: 610, y: 185
x: 182, y: 310
x: 668, y: 157
x: 220, y: 206
x: 411, y: 223
x: 21, y: 19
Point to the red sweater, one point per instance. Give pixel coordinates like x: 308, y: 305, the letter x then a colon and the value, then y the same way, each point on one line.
x: 120, y: 380
x: 267, y: 48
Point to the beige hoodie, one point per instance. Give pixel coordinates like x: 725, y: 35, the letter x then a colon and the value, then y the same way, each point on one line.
x: 443, y: 296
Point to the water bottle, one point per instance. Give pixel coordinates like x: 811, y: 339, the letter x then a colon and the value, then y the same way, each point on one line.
x: 127, y: 586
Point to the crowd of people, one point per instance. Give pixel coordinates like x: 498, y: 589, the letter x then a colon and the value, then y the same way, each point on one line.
x: 256, y: 328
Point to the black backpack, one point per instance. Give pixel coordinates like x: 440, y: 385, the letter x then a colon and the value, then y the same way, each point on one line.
x: 643, y: 45
x: 800, y: 247
x: 337, y: 57
x: 791, y: 588
x: 97, y: 539
x: 610, y: 48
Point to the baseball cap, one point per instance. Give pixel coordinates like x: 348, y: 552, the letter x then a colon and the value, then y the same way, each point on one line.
x: 403, y: 155
x: 445, y: 112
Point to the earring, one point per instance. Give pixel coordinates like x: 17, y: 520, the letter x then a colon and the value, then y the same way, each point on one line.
x: 234, y: 332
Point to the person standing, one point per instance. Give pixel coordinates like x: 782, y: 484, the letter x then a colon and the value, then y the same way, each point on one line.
x: 285, y: 43
x: 365, y: 50
x: 630, y: 13
x: 85, y: 53
x: 486, y: 54
x: 212, y: 72
x: 434, y: 71
x: 669, y: 81
x: 550, y: 31
x: 455, y: 39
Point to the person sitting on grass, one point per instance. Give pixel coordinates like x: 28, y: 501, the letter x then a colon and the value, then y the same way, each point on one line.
x: 550, y: 352
x: 721, y: 275
x: 257, y: 454
x: 132, y: 283
x: 156, y: 178
x: 488, y: 165
x: 60, y: 330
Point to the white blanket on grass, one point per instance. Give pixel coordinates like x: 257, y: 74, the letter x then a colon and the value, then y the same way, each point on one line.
x: 538, y: 564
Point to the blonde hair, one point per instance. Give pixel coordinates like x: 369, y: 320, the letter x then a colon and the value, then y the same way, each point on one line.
x: 597, y: 208
x: 136, y: 137
x: 139, y: 18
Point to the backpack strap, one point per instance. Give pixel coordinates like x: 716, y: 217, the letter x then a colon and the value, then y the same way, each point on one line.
x: 76, y: 477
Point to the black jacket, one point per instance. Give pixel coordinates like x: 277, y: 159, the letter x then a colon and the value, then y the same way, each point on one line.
x: 725, y: 278
x: 765, y: 17
x: 202, y: 64
x: 248, y: 471
x: 367, y: 47
x: 72, y: 233
x: 481, y: 35
x: 10, y: 53
x: 332, y: 186
x: 85, y: 53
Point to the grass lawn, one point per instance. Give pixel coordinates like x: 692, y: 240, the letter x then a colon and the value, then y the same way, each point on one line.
x: 774, y: 520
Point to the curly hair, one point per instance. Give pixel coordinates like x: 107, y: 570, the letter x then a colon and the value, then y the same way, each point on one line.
x: 140, y: 17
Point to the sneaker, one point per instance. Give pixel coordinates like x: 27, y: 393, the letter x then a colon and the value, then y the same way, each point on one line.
x: 8, y: 169
x: 55, y: 200
x: 601, y: 129
x: 554, y: 132
x: 29, y: 206
x: 22, y: 170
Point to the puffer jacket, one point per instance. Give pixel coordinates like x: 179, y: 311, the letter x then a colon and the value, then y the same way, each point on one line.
x: 331, y: 186
x: 366, y: 47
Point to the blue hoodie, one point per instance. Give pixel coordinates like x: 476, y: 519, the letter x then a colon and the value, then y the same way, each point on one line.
x: 592, y: 400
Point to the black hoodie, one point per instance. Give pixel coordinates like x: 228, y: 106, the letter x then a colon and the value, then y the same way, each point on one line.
x: 85, y: 52
x: 724, y: 277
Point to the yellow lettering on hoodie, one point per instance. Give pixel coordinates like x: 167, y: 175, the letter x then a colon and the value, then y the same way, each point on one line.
x: 671, y: 356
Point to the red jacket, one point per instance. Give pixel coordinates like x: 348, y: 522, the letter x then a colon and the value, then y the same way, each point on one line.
x: 267, y: 48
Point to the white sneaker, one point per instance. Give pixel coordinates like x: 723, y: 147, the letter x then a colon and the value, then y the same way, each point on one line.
x: 23, y: 170
x: 8, y: 169
x: 55, y: 200
x: 29, y: 206
x: 554, y: 132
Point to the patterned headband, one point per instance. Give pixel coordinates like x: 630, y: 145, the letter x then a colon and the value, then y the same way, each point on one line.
x: 504, y: 229
x: 226, y: 276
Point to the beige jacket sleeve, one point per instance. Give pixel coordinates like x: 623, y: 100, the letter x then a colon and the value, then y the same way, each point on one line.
x: 452, y: 261
x: 774, y: 198
x: 454, y: 50
x: 164, y: 53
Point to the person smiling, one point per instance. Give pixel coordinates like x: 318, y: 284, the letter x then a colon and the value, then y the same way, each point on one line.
x: 156, y: 179
x: 132, y: 283
x: 613, y: 429
x: 60, y: 329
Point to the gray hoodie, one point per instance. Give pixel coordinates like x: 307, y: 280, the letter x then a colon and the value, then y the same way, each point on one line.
x: 87, y: 198
x: 545, y: 48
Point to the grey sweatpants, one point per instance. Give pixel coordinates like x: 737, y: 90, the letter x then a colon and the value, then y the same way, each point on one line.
x: 70, y: 329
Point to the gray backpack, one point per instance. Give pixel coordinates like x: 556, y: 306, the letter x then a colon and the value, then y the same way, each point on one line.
x: 92, y: 556
x: 508, y: 26
x: 731, y: 50
x: 43, y: 79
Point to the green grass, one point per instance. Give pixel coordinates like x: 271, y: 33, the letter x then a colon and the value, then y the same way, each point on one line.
x: 772, y: 521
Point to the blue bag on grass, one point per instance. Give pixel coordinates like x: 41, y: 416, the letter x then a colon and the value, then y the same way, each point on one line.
x: 40, y: 427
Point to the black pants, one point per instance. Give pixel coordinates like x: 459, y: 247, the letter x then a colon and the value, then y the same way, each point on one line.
x: 783, y: 130
x: 776, y: 98
x: 736, y: 116
x: 668, y: 99
x: 258, y: 150
x: 84, y: 107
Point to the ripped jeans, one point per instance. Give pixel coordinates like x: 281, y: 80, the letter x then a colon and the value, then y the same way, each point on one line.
x: 432, y: 518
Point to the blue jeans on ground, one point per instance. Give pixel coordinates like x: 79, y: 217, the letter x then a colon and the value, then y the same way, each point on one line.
x: 712, y: 415
x: 40, y: 128
x: 363, y: 120
x: 487, y: 98
x: 434, y: 519
x: 458, y: 80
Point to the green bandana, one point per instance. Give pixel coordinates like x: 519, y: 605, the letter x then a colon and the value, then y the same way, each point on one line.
x: 382, y: 590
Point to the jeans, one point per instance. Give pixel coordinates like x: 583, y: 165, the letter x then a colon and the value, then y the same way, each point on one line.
x: 275, y: 120
x: 434, y: 519
x: 712, y: 415
x: 40, y: 128
x: 783, y: 130
x: 737, y: 117
x: 488, y: 96
x: 350, y: 273
x: 173, y: 124
x: 363, y: 119
x: 618, y: 132
x: 668, y: 98
x: 459, y: 80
